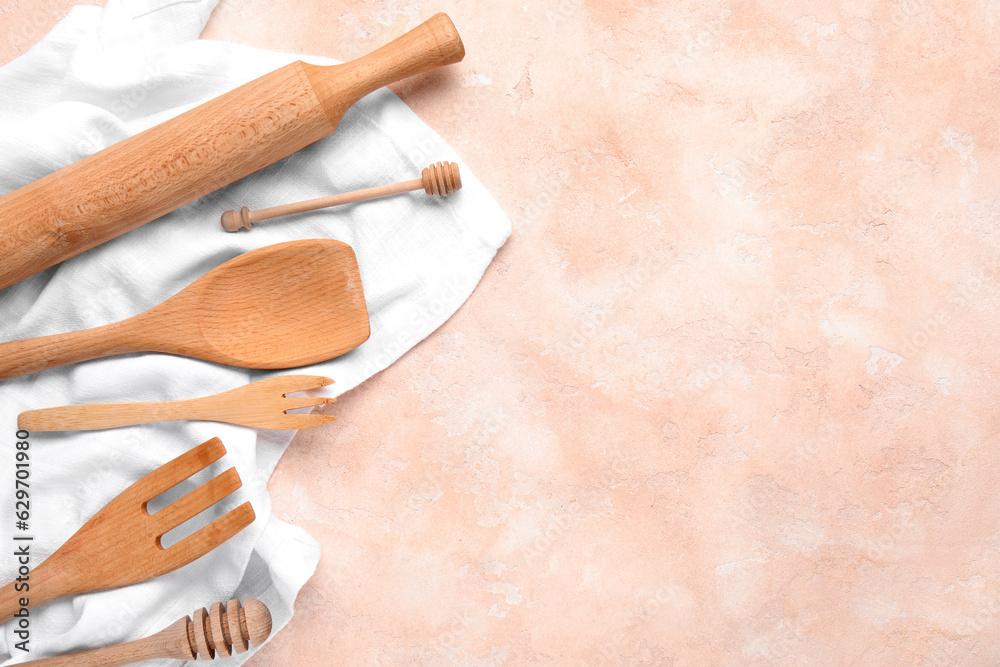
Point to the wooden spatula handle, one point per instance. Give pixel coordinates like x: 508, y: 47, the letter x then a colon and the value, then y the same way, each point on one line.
x: 171, y: 164
x: 22, y: 357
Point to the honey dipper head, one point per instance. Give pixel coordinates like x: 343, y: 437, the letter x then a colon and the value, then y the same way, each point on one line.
x: 225, y: 629
x: 442, y: 179
x: 256, y: 619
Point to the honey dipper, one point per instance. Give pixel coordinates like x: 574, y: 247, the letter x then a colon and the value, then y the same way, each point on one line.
x: 438, y: 180
x: 219, y: 631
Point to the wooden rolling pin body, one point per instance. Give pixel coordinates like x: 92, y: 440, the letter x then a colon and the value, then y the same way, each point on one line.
x: 171, y: 164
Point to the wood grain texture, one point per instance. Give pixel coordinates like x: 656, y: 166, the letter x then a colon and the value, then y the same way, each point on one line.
x: 159, y: 170
x: 120, y: 545
x: 285, y: 305
x: 226, y: 629
x: 439, y: 180
x: 433, y: 43
x: 259, y: 404
x: 171, y: 642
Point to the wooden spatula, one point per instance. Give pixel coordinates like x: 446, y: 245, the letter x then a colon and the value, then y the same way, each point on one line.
x: 282, y: 306
x: 221, y: 631
x: 120, y: 545
x: 259, y: 404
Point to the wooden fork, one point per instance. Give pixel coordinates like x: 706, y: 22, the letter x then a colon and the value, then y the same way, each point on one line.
x: 259, y: 404
x: 120, y: 545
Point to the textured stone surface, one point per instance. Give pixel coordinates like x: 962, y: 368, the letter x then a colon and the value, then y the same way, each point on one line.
x: 728, y: 394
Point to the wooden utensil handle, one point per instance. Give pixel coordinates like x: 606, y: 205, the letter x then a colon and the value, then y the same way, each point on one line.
x: 45, y: 583
x: 236, y: 220
x: 171, y: 642
x: 22, y: 357
x: 171, y: 164
x: 216, y: 632
x: 110, y: 656
x: 433, y: 43
x: 335, y: 200
x: 10, y: 601
x: 94, y: 416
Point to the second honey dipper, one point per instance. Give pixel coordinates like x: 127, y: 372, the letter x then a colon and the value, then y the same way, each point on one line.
x: 220, y: 631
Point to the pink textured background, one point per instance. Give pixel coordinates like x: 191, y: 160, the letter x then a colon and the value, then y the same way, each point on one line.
x: 728, y: 394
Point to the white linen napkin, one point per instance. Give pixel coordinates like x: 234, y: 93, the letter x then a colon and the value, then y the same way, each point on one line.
x: 99, y: 76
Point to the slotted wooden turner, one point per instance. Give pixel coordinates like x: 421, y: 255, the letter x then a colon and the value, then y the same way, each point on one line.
x: 120, y: 545
x: 282, y: 306
x: 259, y: 404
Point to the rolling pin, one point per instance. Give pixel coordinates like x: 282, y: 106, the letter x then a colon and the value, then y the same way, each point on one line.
x: 171, y: 164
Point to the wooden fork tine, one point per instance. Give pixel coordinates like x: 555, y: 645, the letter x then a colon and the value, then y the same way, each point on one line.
x: 305, y: 402
x: 176, y: 471
x: 205, y: 539
x: 196, y: 501
x: 289, y: 384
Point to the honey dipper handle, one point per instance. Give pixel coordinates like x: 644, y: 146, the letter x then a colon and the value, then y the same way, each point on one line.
x: 110, y: 656
x: 171, y: 642
x: 336, y: 200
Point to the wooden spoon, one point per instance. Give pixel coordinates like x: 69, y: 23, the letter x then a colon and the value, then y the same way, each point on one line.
x: 286, y: 305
